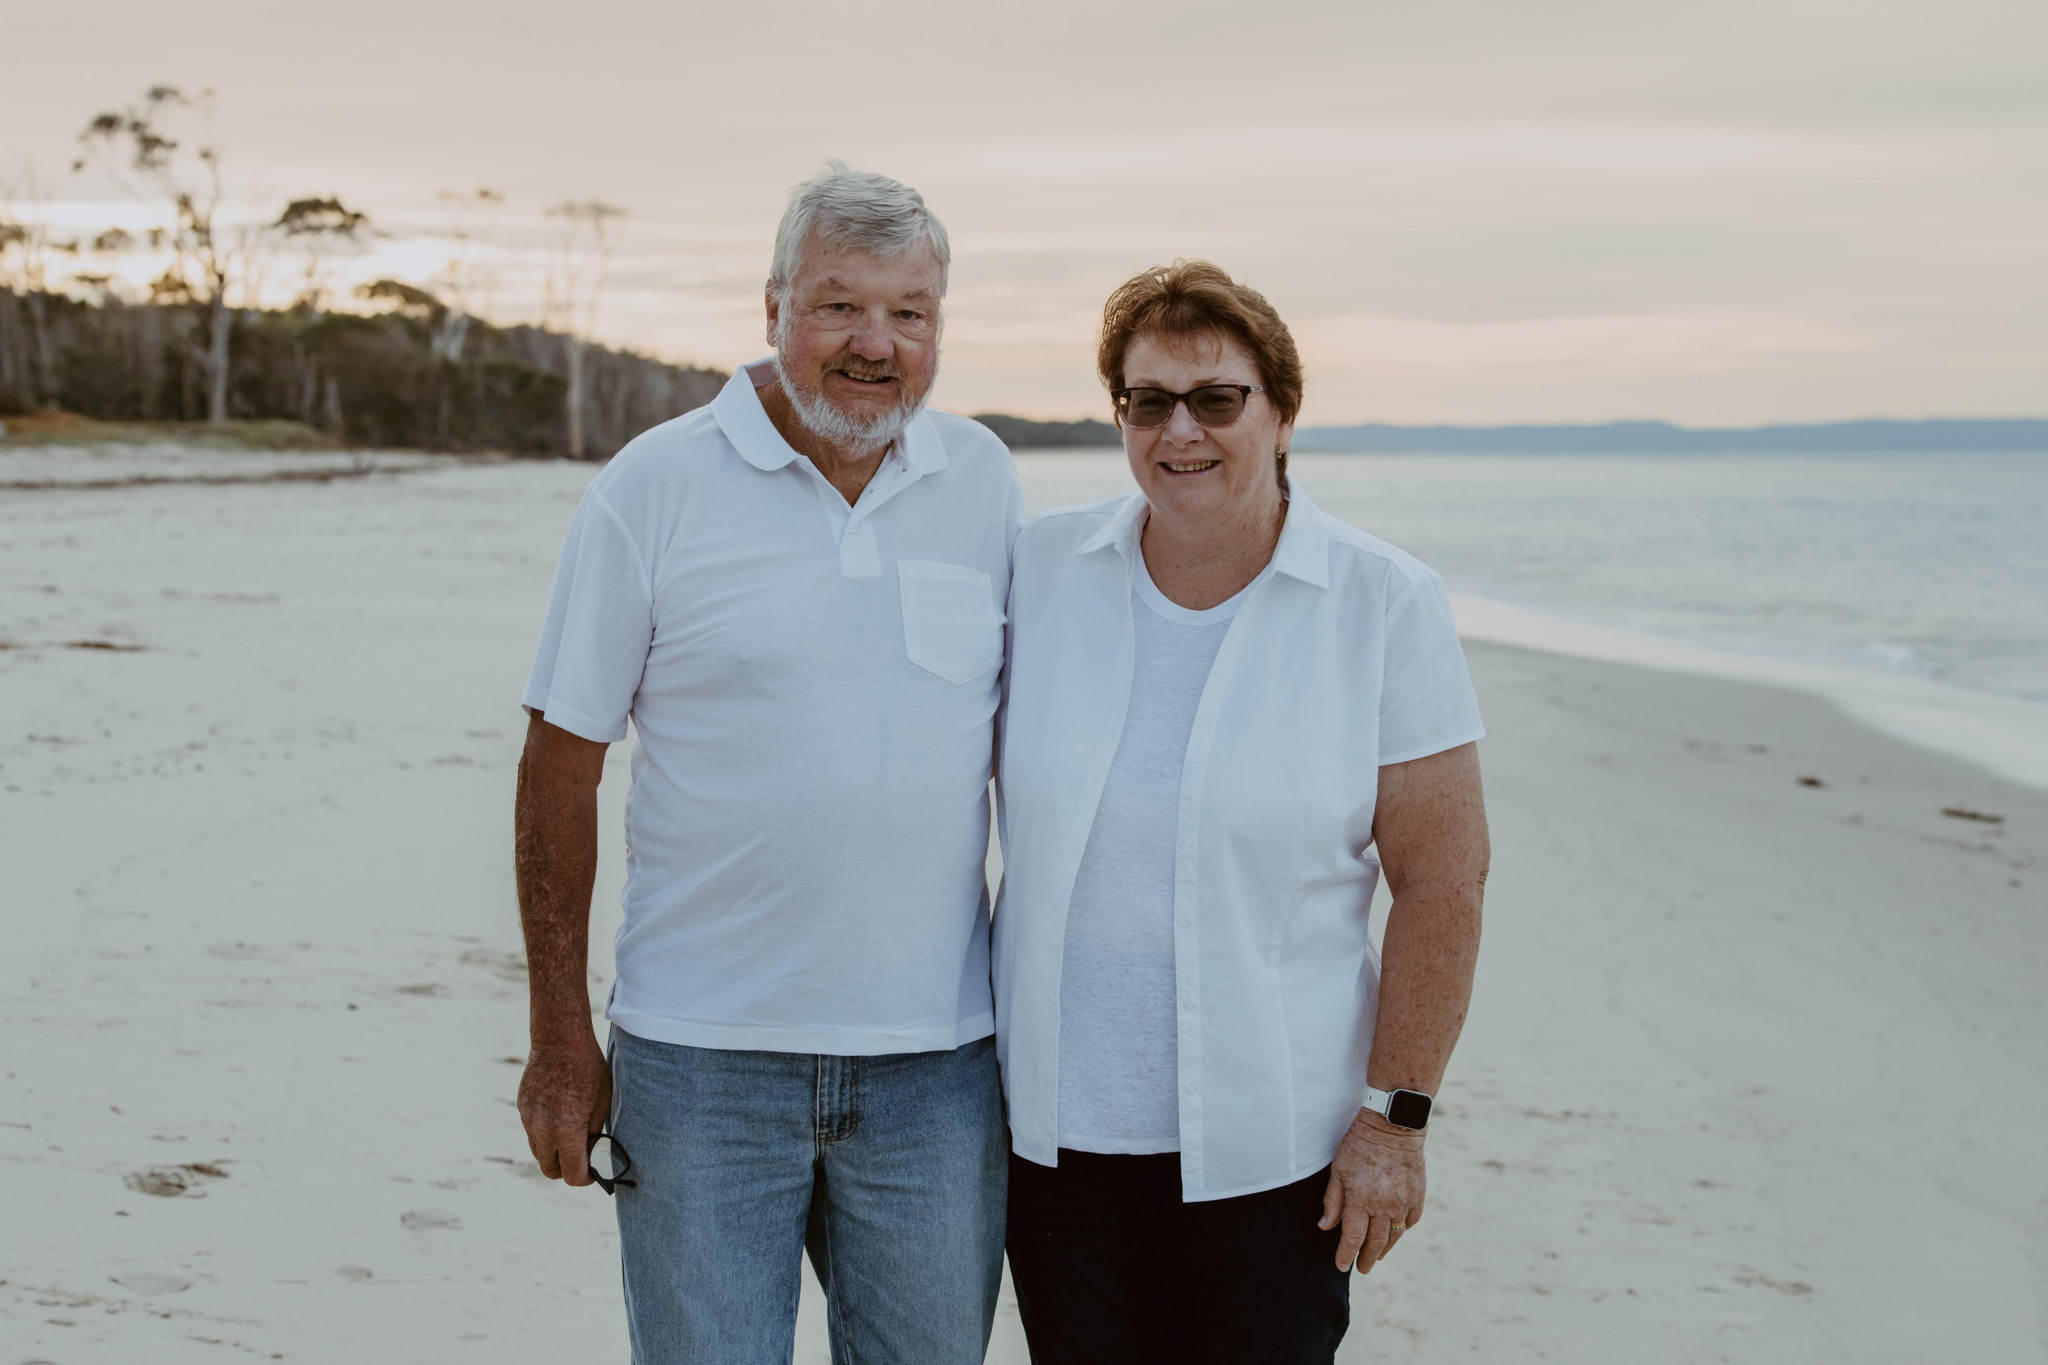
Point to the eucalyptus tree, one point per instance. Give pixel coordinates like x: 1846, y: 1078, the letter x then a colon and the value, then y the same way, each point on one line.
x: 28, y: 366
x: 469, y: 276
x: 319, y: 229
x: 578, y: 269
x: 163, y: 149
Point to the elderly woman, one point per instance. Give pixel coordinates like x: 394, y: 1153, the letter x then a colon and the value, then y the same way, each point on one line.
x: 1227, y: 713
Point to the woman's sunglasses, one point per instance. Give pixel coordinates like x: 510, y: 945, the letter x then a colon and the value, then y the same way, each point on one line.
x: 614, y: 1159
x: 1212, y: 405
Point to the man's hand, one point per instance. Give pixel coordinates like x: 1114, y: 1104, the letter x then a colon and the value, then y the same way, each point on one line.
x: 565, y: 1095
x: 1375, y: 1190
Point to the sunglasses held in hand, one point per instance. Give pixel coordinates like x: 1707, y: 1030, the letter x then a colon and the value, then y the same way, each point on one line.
x: 615, y: 1159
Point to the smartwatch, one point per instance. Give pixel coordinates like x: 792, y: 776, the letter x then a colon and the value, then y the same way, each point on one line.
x: 1403, y: 1108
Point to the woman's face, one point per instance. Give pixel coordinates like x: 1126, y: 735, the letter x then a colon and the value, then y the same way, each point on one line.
x: 1192, y: 473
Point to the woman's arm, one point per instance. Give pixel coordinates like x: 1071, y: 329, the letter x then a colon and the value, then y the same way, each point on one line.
x: 1430, y: 828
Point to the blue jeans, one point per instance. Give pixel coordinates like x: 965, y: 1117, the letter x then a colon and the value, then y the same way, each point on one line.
x: 890, y: 1170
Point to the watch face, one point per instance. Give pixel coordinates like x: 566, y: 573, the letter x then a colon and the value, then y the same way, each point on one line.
x: 1408, y: 1109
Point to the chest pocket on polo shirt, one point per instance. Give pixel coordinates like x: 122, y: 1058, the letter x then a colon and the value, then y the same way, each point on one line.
x: 950, y: 623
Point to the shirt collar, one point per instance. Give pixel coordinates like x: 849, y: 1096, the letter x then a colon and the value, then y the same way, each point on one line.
x: 1304, y: 548
x: 739, y: 414
x: 1121, y: 530
x: 1303, y: 551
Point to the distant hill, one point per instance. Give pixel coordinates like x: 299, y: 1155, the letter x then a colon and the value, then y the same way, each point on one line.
x: 1021, y: 433
x: 1942, y: 434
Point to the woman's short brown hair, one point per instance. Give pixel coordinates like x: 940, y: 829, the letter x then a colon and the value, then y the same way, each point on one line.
x: 1193, y: 300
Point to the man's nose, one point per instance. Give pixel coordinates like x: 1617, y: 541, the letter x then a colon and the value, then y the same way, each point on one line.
x: 871, y: 339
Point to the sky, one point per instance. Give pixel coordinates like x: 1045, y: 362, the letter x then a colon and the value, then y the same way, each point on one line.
x: 1472, y: 211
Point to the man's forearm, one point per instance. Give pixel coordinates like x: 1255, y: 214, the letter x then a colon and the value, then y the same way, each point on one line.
x: 555, y: 862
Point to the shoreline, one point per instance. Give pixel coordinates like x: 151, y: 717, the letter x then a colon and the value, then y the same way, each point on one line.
x: 2007, y: 737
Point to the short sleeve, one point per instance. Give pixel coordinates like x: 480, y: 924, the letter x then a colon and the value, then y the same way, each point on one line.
x: 1426, y: 700
x: 600, y: 623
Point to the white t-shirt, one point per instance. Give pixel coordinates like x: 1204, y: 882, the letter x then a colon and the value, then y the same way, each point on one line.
x: 813, y: 687
x: 1118, y: 1081
x: 1342, y: 658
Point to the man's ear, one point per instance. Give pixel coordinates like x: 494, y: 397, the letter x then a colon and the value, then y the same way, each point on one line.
x: 774, y: 312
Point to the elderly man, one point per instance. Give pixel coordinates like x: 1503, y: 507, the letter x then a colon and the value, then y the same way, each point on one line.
x: 796, y: 597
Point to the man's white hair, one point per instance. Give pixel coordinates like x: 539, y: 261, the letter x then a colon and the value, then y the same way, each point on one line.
x: 857, y: 209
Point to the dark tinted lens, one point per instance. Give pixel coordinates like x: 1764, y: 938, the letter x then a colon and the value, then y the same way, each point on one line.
x: 1216, y: 407
x: 608, y: 1160
x: 1147, y: 407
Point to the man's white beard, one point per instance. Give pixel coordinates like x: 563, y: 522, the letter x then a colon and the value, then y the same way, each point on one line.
x: 828, y: 423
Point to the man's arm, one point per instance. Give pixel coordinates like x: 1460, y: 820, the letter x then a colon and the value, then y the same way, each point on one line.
x: 565, y: 1092
x: 1430, y: 826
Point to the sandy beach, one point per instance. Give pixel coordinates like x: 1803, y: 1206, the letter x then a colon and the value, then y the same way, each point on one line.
x: 1756, y: 1070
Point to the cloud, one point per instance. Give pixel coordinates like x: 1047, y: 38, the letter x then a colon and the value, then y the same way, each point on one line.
x: 1610, y: 345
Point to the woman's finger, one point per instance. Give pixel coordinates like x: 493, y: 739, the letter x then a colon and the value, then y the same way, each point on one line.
x: 1333, y: 1202
x: 1356, y: 1228
x: 1375, y: 1243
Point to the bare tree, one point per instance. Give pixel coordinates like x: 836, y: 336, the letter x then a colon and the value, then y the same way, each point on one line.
x: 145, y: 149
x: 586, y: 234
x: 25, y: 248
x: 319, y: 229
x: 469, y: 279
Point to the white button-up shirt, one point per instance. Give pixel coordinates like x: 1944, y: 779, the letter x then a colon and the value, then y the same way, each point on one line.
x: 1342, y: 658
x: 813, y: 687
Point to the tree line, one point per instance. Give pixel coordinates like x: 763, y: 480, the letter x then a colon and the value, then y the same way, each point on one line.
x: 406, y: 366
x: 370, y: 379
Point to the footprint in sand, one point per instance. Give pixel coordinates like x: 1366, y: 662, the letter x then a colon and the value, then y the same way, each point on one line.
x: 170, y: 1182
x: 149, y: 1282
x: 505, y: 966
x: 358, y: 1273
x: 429, y: 1220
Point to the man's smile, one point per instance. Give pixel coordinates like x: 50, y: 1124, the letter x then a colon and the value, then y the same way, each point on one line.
x: 873, y: 381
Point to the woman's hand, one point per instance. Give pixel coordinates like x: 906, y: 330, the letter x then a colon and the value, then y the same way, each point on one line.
x: 1375, y: 1190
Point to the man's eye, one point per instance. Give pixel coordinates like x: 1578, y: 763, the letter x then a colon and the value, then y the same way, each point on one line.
x: 909, y: 315
x: 840, y: 307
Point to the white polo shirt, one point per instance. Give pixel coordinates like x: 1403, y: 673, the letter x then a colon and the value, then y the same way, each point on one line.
x: 1342, y: 658
x: 813, y: 688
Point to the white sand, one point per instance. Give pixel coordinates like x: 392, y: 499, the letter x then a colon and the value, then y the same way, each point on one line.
x: 1756, y: 1072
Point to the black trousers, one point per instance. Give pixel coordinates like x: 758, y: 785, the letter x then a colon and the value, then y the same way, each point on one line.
x: 1111, y: 1268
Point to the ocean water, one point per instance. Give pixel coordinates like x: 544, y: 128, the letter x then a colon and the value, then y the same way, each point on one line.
x: 1912, y: 588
